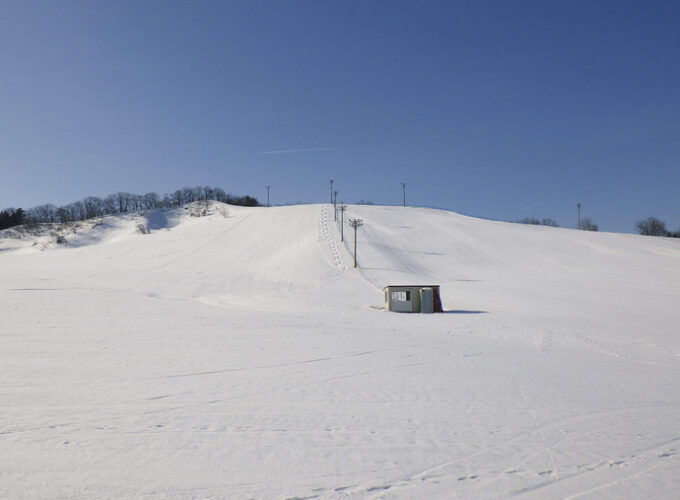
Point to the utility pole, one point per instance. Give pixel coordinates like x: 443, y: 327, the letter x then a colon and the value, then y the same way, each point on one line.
x: 403, y: 190
x: 342, y: 221
x: 268, y: 187
x: 335, y: 206
x: 332, y: 181
x: 355, y: 224
x: 578, y: 208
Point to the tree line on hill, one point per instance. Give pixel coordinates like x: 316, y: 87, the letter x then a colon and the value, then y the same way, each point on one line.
x: 10, y: 217
x: 118, y: 203
x: 122, y: 202
x: 651, y: 226
x: 587, y: 223
x: 536, y: 222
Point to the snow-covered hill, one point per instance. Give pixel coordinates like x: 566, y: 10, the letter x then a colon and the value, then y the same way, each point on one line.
x: 241, y: 355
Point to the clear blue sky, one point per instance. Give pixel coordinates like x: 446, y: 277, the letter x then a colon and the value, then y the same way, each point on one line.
x: 493, y: 108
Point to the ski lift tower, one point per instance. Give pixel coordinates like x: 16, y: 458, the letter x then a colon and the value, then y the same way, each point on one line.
x: 355, y: 224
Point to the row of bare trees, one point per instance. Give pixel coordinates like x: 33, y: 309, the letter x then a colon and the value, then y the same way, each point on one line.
x: 536, y: 222
x: 652, y: 226
x: 587, y: 224
x: 123, y: 202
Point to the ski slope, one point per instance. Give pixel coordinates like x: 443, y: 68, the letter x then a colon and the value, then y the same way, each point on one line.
x: 240, y: 355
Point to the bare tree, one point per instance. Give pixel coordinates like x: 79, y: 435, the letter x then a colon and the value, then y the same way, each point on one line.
x: 137, y: 202
x: 67, y: 213
x: 110, y: 203
x: 530, y: 220
x: 119, y: 201
x: 150, y: 201
x: 535, y: 222
x: 78, y: 211
x: 187, y: 195
x: 177, y: 198
x: 651, y: 226
x: 43, y: 213
x: 63, y: 215
x: 587, y: 224
x: 166, y: 202
x: 220, y: 195
x: 92, y: 206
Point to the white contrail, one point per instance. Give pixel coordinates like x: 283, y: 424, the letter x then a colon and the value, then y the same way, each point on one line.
x: 309, y: 150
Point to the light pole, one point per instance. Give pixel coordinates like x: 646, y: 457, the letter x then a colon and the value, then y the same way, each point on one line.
x: 355, y: 224
x: 578, y: 208
x: 335, y: 206
x: 268, y: 187
x: 403, y: 190
x: 342, y: 221
x: 332, y: 181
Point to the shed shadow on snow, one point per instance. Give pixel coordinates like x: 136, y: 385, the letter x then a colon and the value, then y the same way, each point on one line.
x: 461, y: 311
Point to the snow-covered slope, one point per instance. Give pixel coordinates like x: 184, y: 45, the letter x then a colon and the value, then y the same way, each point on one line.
x: 241, y: 355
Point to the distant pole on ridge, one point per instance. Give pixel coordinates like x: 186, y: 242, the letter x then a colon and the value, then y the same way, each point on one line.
x: 268, y: 187
x: 403, y: 190
x: 332, y: 181
x: 355, y: 224
x: 578, y: 208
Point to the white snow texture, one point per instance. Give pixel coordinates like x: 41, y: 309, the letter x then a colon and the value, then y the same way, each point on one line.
x: 240, y: 355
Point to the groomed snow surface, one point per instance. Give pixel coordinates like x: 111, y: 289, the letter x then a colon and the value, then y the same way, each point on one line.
x: 240, y: 355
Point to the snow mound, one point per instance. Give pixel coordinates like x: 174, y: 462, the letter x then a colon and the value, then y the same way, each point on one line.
x: 106, y: 229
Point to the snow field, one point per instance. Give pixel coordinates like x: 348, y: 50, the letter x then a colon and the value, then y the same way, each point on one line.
x: 240, y: 355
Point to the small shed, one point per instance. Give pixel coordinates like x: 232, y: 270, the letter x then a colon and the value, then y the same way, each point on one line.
x: 413, y: 298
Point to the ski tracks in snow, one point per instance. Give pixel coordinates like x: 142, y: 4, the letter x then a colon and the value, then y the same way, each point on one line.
x: 461, y: 478
x: 328, y: 234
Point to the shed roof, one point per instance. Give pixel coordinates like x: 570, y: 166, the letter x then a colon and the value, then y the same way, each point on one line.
x: 411, y: 286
